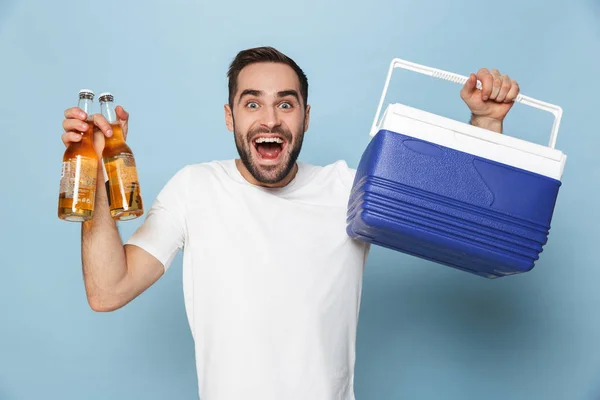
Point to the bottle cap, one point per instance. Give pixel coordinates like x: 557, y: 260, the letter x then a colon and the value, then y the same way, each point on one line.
x: 86, y: 93
x: 106, y: 96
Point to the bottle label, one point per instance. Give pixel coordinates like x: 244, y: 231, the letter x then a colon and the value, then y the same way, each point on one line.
x: 78, y: 179
x: 123, y: 188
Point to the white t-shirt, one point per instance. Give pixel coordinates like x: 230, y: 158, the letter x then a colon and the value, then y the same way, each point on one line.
x: 272, y: 282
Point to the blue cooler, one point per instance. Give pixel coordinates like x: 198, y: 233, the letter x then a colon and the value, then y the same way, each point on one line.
x: 453, y: 193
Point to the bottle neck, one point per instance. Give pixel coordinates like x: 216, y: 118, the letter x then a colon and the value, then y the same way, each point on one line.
x: 108, y: 111
x: 86, y: 106
x: 87, y: 138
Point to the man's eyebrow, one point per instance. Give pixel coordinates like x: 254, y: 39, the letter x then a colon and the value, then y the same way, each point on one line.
x: 285, y: 93
x: 251, y: 92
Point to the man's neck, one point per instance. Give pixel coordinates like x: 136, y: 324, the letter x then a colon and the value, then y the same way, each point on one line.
x: 248, y: 176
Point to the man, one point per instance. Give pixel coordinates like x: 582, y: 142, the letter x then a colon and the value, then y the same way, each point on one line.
x: 272, y: 283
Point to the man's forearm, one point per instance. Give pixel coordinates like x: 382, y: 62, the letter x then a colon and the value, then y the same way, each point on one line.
x: 103, y: 257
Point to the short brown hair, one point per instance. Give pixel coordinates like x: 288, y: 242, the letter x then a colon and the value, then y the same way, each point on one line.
x: 263, y: 54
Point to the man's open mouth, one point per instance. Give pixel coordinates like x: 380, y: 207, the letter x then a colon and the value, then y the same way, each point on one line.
x: 269, y: 147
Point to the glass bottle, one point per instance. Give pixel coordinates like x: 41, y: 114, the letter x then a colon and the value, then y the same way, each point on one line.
x: 120, y: 171
x: 79, y: 170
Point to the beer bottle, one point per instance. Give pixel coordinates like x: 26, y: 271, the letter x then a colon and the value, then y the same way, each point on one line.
x: 120, y: 172
x: 79, y: 170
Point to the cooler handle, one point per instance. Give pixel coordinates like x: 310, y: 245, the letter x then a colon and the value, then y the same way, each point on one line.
x: 452, y: 77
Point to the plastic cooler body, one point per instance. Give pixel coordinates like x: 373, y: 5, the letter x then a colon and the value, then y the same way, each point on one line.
x: 449, y: 206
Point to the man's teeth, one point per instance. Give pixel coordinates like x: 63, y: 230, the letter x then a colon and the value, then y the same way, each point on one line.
x: 269, y: 140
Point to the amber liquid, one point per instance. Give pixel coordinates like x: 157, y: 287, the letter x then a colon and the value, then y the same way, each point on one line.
x: 78, y: 179
x: 122, y: 185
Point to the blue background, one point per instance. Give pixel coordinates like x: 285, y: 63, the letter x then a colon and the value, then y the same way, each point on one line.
x: 425, y: 331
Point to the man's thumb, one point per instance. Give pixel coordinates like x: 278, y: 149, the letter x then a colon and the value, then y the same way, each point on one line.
x: 469, y: 87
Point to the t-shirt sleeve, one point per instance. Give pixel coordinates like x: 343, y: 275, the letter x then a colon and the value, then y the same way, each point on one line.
x: 346, y: 174
x: 163, y: 232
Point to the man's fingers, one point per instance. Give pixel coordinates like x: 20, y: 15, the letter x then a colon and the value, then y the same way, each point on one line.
x: 121, y: 113
x: 69, y: 137
x: 74, y: 125
x: 497, y: 84
x: 469, y: 87
x: 123, y: 117
x: 513, y: 92
x: 103, y: 124
x: 75, y: 113
x: 504, y: 89
x: 487, y: 83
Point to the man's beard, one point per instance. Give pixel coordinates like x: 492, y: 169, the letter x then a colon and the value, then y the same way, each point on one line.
x: 270, y: 174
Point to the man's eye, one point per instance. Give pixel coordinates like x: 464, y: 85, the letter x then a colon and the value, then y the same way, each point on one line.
x: 285, y: 105
x: 252, y: 104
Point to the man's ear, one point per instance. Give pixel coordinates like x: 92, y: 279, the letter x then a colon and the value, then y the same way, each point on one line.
x: 228, y: 117
x: 306, y: 118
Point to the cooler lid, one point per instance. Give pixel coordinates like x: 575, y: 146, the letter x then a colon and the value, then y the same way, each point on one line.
x: 474, y: 140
